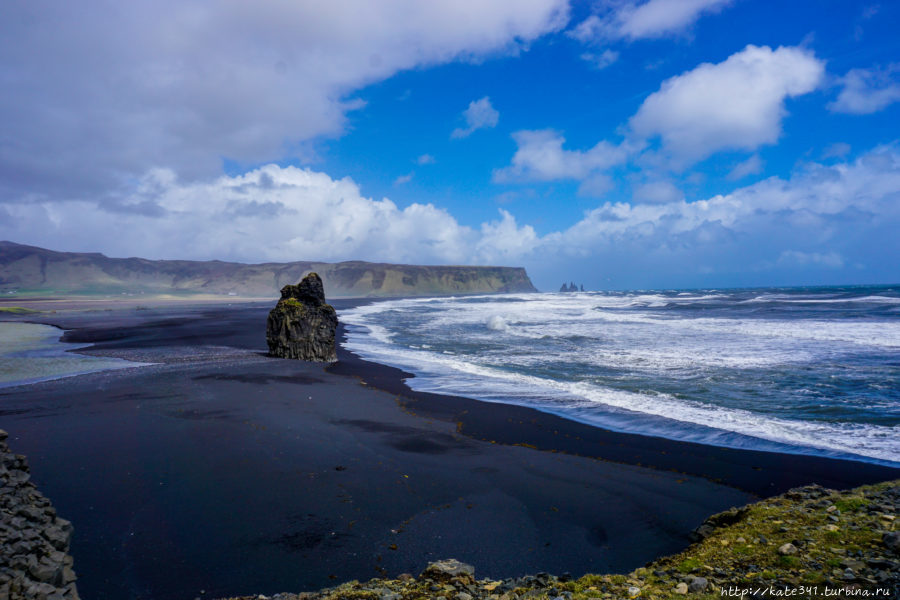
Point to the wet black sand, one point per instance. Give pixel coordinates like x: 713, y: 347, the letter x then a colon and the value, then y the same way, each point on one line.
x: 222, y: 472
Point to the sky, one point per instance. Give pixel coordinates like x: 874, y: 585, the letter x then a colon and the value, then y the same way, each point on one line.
x: 622, y: 144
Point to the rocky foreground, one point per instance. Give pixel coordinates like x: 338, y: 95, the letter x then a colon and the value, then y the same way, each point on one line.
x: 811, y: 542
x: 34, y: 541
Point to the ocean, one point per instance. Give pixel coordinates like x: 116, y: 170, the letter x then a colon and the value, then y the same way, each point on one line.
x: 806, y: 370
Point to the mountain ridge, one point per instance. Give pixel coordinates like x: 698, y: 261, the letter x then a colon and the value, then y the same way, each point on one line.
x: 33, y: 269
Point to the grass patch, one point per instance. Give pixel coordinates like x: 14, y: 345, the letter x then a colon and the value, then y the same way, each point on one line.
x: 850, y: 504
x: 788, y: 562
x: 688, y: 565
x: 17, y: 310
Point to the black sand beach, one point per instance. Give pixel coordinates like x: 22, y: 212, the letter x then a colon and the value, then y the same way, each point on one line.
x: 219, y: 471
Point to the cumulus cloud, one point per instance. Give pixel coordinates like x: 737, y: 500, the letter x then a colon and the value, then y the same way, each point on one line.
x: 751, y: 166
x: 657, y: 192
x: 110, y: 90
x: 795, y: 258
x: 268, y: 214
x: 865, y: 91
x: 479, y: 115
x: 825, y: 217
x: 425, y: 159
x: 828, y: 217
x: 540, y: 157
x: 737, y: 104
x: 601, y: 60
x: 631, y: 20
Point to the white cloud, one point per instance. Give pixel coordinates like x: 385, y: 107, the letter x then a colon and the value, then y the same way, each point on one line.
x: 479, y: 115
x: 657, y: 192
x: 823, y: 217
x: 268, y: 214
x: 505, y: 241
x: 836, y: 150
x: 111, y: 90
x: 735, y: 104
x: 820, y: 205
x: 631, y: 20
x: 404, y: 179
x: 796, y: 258
x: 751, y: 166
x: 540, y: 157
x: 425, y: 159
x: 601, y: 60
x: 596, y: 186
x: 866, y: 91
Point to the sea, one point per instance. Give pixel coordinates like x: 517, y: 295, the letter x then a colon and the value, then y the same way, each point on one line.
x: 32, y: 352
x: 812, y: 370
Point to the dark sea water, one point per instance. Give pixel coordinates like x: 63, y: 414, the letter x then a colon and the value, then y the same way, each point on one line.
x: 811, y: 370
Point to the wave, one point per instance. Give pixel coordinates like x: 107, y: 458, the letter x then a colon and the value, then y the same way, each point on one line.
x: 615, y: 361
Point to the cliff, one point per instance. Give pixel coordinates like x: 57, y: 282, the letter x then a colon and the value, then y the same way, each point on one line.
x: 28, y: 269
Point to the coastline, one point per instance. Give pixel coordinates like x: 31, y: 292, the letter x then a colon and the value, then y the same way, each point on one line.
x: 762, y: 473
x: 230, y: 472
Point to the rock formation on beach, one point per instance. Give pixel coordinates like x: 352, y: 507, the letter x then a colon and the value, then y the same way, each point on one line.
x: 34, y: 541
x: 302, y: 324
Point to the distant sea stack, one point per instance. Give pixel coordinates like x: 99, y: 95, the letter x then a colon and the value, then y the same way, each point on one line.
x: 302, y: 324
x: 31, y: 270
x: 571, y: 287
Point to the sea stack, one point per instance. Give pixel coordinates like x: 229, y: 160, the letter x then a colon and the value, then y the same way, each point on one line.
x: 302, y: 324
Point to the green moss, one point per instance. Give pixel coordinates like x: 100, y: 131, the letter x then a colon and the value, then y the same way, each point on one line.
x: 293, y: 303
x: 688, y: 565
x: 17, y: 310
x: 853, y: 503
x: 788, y: 562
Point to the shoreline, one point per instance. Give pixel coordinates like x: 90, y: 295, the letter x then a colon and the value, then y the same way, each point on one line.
x: 761, y: 472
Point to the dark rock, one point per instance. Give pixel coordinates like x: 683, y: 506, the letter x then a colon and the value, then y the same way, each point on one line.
x: 445, y: 570
x: 698, y: 584
x: 302, y: 325
x: 891, y: 539
x: 722, y: 519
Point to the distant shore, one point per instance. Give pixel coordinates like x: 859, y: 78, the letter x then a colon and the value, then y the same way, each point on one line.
x: 222, y: 470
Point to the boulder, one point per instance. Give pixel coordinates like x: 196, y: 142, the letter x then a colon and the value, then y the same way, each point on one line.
x: 891, y: 539
x: 302, y: 324
x: 445, y: 570
x: 698, y: 584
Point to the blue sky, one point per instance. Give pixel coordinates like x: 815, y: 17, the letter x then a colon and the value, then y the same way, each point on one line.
x: 619, y: 143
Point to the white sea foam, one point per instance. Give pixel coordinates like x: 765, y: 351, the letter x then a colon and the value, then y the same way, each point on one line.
x: 497, y: 323
x: 541, y: 349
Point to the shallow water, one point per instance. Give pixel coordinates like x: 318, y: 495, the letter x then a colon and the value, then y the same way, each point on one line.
x: 32, y: 352
x: 813, y: 370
